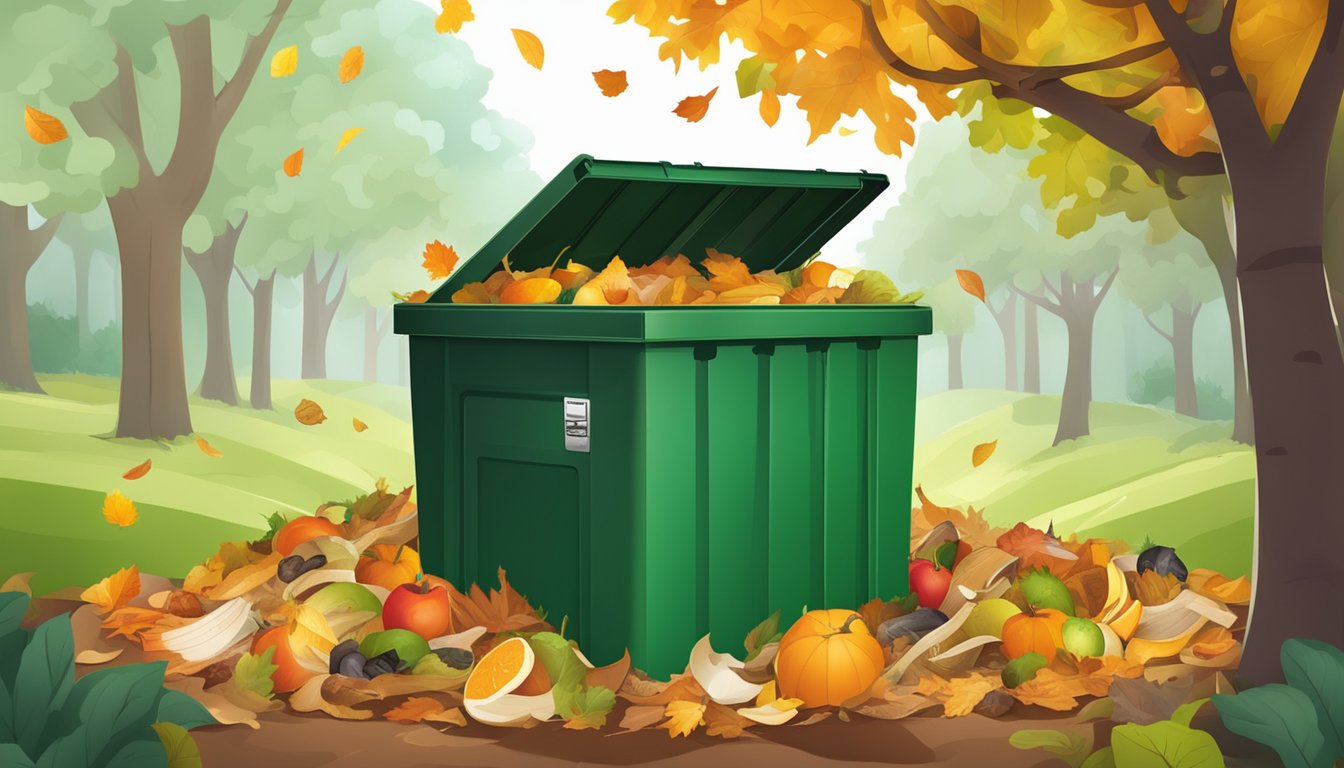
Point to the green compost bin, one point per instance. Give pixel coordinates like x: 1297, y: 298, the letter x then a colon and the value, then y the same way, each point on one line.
x: 657, y: 473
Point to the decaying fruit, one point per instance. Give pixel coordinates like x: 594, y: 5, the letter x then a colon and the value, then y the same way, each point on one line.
x: 1022, y: 669
x: 1083, y: 637
x: 1034, y: 632
x: 301, y: 529
x: 989, y: 616
x: 827, y: 658
x: 489, y: 694
x: 289, y: 674
x: 1042, y: 589
x: 388, y: 566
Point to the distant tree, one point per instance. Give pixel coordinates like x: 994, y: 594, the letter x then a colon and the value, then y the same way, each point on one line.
x: 87, y: 235
x: 954, y: 318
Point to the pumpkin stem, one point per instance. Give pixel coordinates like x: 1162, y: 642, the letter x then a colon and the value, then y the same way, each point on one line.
x: 397, y: 557
x: 853, y: 617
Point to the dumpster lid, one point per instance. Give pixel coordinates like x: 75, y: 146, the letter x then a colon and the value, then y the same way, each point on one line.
x: 771, y: 219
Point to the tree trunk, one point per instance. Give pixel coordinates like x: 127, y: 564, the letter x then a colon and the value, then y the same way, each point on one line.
x: 83, y: 261
x: 318, y: 313
x: 1031, y: 353
x: 214, y: 270
x: 1006, y: 317
x: 954, y: 378
x: 263, y: 304
x: 19, y: 249
x: 1243, y: 422
x: 1076, y: 304
x: 374, y: 330
x: 1183, y: 357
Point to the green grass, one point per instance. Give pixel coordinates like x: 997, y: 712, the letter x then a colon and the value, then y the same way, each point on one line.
x: 57, y: 461
x: 1143, y: 472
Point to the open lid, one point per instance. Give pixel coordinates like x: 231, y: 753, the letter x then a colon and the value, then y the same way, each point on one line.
x: 771, y: 219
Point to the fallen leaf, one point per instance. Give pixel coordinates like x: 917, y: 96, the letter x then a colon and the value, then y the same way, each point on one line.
x: 611, y: 83
x: 86, y: 629
x: 207, y: 448
x: 138, y: 471
x: 694, y: 108
x: 647, y: 692
x: 683, y: 717
x: 310, y: 697
x: 971, y: 283
x: 220, y: 706
x: 285, y: 61
x: 502, y: 610
x: 1152, y: 590
x: 724, y: 721
x: 769, y: 107
x: 981, y: 453
x: 19, y: 582
x: 414, y: 297
x: 359, y: 425
x: 439, y: 260
x: 535, y: 290
x: 309, y: 413
x: 1217, y: 586
x: 415, y: 709
x: 455, y: 13
x: 294, y: 164
x: 352, y: 63
x: 1144, y: 702
x: 131, y: 622
x: 347, y: 137
x: 965, y: 693
x: 119, y: 510
x: 247, y: 578
x: 612, y: 677
x: 43, y: 128
x: 115, y: 591
x: 1035, y: 548
x: 1212, y: 642
x: 529, y: 45
x: 641, y: 717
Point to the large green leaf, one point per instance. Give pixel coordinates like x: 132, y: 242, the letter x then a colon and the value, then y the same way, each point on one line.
x: 181, y: 749
x: 754, y: 75
x: 1278, y: 716
x: 6, y: 715
x: 1317, y: 669
x: 1069, y: 747
x: 180, y: 709
x: 556, y: 655
x: 117, y: 702
x: 45, y: 676
x: 13, y: 606
x: 1164, y: 745
x: 68, y: 751
x: 1102, y: 758
x: 13, y: 757
x: 146, y: 752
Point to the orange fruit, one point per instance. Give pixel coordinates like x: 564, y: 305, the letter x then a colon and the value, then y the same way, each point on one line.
x: 302, y: 529
x: 388, y: 567
x: 1128, y: 621
x: 500, y: 671
x: 288, y: 674
x: 827, y: 657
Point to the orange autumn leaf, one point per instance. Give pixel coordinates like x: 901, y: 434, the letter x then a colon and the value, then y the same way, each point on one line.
x: 119, y: 510
x: 501, y: 610
x: 611, y: 83
x: 1185, y: 125
x: 131, y: 621
x: 115, y: 591
x: 694, y: 108
x: 309, y: 413
x: 1217, y: 586
x: 1212, y: 642
x: 138, y: 471
x: 352, y: 63
x: 359, y: 425
x: 439, y: 260
x: 208, y: 449
x: 43, y: 128
x: 971, y: 283
x: 414, y: 709
x: 769, y: 107
x: 453, y: 15
x: 294, y: 164
x: 683, y: 717
x: 414, y: 297
x: 535, y: 290
x: 529, y: 45
x: 981, y: 453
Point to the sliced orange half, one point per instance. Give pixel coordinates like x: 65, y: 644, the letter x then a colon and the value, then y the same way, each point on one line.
x: 500, y: 671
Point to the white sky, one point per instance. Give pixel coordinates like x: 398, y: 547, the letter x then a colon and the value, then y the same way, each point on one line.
x: 568, y: 115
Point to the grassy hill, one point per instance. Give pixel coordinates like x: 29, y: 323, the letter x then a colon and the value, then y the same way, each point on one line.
x: 1143, y: 473
x: 57, y: 461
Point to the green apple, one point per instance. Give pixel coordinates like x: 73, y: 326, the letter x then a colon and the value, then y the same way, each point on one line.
x: 344, y: 596
x: 988, y: 616
x: 1082, y: 637
x: 409, y: 646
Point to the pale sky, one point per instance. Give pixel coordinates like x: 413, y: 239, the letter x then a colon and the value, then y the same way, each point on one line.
x: 568, y: 115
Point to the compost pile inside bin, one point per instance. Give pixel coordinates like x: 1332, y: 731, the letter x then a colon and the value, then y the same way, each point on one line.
x: 330, y: 613
x: 675, y: 281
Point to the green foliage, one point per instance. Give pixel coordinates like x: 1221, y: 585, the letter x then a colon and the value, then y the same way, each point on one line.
x: 1164, y: 744
x: 563, y: 667
x: 1022, y: 669
x: 178, y: 745
x: 1280, y: 717
x: 54, y: 341
x: 1156, y: 385
x: 754, y: 75
x: 1069, y: 747
x: 106, y: 718
x: 762, y: 635
x: 1317, y: 669
x: 253, y: 673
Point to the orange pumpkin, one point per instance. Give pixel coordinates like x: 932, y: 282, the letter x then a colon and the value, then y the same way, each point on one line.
x: 388, y: 566
x: 302, y: 529
x: 827, y: 658
x: 289, y: 674
x: 1039, y: 631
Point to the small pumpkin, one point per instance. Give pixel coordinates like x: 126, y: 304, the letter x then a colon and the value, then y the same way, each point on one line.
x: 302, y: 529
x: 1037, y: 631
x: 388, y: 566
x: 827, y: 658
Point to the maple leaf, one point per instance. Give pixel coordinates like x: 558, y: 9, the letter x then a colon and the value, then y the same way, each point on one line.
x: 683, y: 717
x: 529, y: 45
x: 43, y: 128
x: 285, y: 61
x: 294, y: 164
x: 115, y: 591
x: 694, y: 108
x: 119, y: 510
x: 964, y: 693
x: 207, y: 448
x: 720, y: 720
x: 590, y: 708
x: 352, y: 63
x: 502, y: 610
x: 612, y: 83
x: 347, y: 137
x: 138, y: 471
x: 453, y: 15
x: 439, y: 260
x: 253, y: 673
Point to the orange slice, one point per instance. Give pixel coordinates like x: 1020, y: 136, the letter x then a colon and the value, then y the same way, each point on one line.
x: 1128, y: 620
x: 500, y: 671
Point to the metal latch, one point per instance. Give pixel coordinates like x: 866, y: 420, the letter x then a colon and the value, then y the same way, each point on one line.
x: 576, y: 424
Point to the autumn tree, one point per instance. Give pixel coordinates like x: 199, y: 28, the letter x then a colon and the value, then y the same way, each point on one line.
x: 953, y: 318
x: 1249, y: 88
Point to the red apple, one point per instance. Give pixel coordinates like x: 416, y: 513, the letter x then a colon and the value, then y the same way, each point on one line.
x: 422, y: 608
x: 930, y: 582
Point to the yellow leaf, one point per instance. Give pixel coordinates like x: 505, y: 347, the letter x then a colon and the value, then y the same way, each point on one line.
x: 847, y: 131
x: 208, y: 449
x: 683, y: 717
x: 285, y: 61
x: 359, y: 425
x: 536, y: 290
x: 115, y: 591
x: 529, y: 45
x: 1185, y: 124
x: 473, y: 293
x: 309, y: 413
x: 694, y: 108
x: 348, y: 137
x: 1217, y: 586
x: 966, y: 692
x: 971, y: 283
x: 981, y: 453
x: 352, y: 63
x: 455, y: 13
x: 611, y: 83
x: 610, y: 286
x: 309, y: 629
x: 138, y: 471
x: 119, y: 510
x: 43, y: 128
x: 769, y: 107
x: 439, y: 260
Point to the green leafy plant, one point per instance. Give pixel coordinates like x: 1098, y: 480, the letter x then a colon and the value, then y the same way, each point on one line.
x: 1164, y: 744
x: 115, y: 717
x: 1303, y: 721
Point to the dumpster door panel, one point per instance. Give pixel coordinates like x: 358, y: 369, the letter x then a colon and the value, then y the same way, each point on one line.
x: 845, y: 463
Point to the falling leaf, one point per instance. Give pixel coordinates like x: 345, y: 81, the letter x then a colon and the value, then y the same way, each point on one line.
x: 529, y: 45
x: 285, y: 61
x: 348, y: 137
x: 352, y: 63
x: 847, y: 131
x: 611, y: 83
x: 359, y: 425
x: 119, y: 510
x: 138, y: 471
x: 294, y: 164
x: 694, y: 108
x: 309, y: 413
x: 981, y: 453
x: 455, y: 13
x: 208, y: 449
x: 440, y: 260
x: 115, y: 591
x: 414, y: 297
x: 683, y: 717
x: 770, y: 107
x: 971, y: 283
x: 44, y: 128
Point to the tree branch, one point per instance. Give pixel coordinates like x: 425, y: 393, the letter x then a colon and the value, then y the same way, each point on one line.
x: 1041, y: 301
x: 243, y: 278
x: 1315, y: 110
x: 340, y: 292
x: 1105, y: 288
x: 119, y: 104
x: 1132, y: 100
x: 196, y: 135
x: 940, y: 76
x: 231, y: 95
x: 325, y: 280
x: 1169, y: 337
x: 1058, y: 293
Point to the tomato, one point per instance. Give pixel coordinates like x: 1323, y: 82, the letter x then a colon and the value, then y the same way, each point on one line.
x: 929, y: 582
